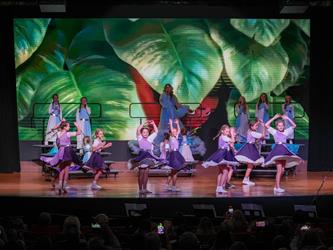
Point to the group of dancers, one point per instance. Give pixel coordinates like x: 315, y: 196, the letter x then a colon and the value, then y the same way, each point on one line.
x: 174, y: 155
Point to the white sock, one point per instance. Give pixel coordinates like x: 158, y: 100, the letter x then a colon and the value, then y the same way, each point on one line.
x: 94, y: 182
x: 246, y: 178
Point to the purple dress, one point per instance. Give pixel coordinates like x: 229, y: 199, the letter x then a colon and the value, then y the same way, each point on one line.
x: 175, y: 158
x: 96, y: 160
x: 65, y: 154
x: 249, y: 153
x: 223, y: 156
x: 280, y: 151
x: 145, y: 158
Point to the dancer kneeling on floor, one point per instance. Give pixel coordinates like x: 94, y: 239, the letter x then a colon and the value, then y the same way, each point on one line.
x: 92, y: 157
x: 281, y: 154
x: 175, y: 160
x: 249, y: 153
x: 146, y: 159
x: 223, y: 158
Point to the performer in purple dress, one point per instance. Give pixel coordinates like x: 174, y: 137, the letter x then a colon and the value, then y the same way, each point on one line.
x: 280, y: 155
x: 223, y: 158
x: 175, y: 160
x: 96, y: 162
x: 233, y: 136
x: 65, y: 155
x: 146, y: 158
x: 249, y: 153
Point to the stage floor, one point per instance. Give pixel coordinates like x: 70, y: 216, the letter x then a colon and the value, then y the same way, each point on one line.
x: 31, y: 183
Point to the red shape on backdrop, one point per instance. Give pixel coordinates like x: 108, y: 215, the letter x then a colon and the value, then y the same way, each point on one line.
x: 146, y: 95
x: 152, y: 111
x: 208, y: 105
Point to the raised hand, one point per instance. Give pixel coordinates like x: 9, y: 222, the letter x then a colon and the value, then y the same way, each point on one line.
x: 177, y: 121
x: 76, y: 124
x: 170, y: 121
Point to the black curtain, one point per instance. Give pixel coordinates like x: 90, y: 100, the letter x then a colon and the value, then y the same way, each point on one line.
x: 321, y: 95
x: 9, y: 147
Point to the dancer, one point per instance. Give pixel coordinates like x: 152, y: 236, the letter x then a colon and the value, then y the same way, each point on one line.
x: 146, y: 159
x: 262, y: 113
x: 96, y: 162
x: 242, y: 119
x: 184, y: 148
x: 65, y: 155
x: 175, y: 159
x: 288, y: 110
x: 249, y: 153
x: 281, y: 155
x: 233, y: 136
x: 83, y: 119
x: 55, y: 118
x: 222, y: 158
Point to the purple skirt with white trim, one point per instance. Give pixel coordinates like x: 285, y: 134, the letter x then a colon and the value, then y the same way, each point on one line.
x: 221, y: 157
x: 176, y: 160
x: 281, y: 153
x: 95, y: 161
x: 64, y: 155
x: 144, y: 160
x: 249, y: 154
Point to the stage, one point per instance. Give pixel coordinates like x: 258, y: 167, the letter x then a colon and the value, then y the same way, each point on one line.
x: 31, y: 183
x: 28, y: 189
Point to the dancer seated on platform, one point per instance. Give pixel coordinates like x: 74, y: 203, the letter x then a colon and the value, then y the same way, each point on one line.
x: 184, y: 148
x: 175, y: 159
x: 281, y: 154
x: 233, y: 136
x: 223, y: 158
x: 96, y: 162
x: 146, y: 159
x: 165, y: 147
x: 65, y: 155
x: 249, y: 153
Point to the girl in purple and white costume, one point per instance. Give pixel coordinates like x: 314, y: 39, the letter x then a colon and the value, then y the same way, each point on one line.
x: 65, y: 155
x: 146, y: 159
x: 281, y: 155
x: 248, y: 153
x: 175, y: 159
x: 223, y: 158
x: 96, y: 162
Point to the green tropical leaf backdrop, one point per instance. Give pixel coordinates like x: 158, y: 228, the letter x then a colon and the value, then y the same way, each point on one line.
x: 117, y: 62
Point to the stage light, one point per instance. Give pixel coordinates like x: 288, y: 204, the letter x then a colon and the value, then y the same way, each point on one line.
x: 52, y: 6
x: 294, y: 6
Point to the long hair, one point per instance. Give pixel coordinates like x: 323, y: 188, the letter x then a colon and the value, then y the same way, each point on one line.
x: 263, y: 94
x: 97, y: 131
x: 285, y: 101
x: 244, y: 104
x: 221, y: 130
x: 171, y: 92
x: 53, y: 100
x: 251, y: 124
x: 83, y: 97
x: 63, y: 124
